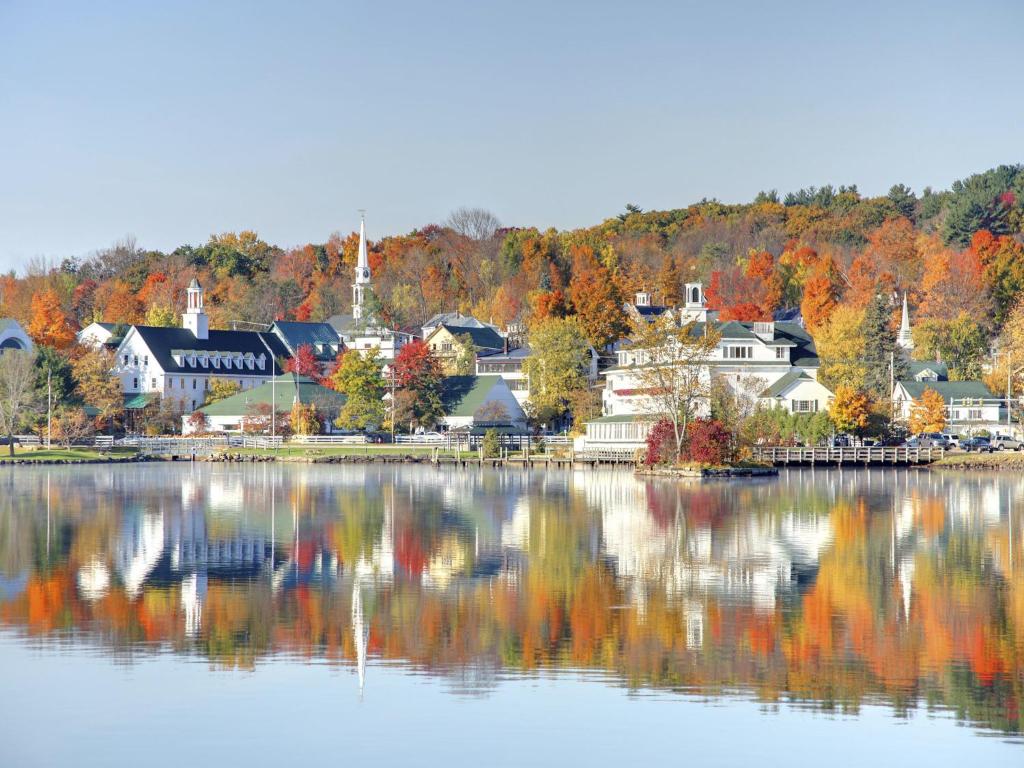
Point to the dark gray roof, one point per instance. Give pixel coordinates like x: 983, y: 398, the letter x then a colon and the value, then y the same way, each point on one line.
x: 317, y: 335
x: 949, y: 390
x: 916, y: 367
x: 780, y: 386
x: 484, y: 338
x: 161, y: 342
x: 519, y: 354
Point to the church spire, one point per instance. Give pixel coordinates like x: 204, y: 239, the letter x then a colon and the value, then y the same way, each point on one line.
x: 905, y: 338
x: 362, y: 271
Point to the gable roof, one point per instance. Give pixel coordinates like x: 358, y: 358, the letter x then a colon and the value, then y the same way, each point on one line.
x: 484, y: 338
x: 917, y: 367
x: 295, y: 334
x: 518, y: 354
x: 456, y: 319
x: 162, y: 342
x: 779, y: 387
x: 949, y: 390
x: 284, y: 390
x: 462, y: 396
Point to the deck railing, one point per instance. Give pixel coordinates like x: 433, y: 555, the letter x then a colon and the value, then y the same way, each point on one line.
x: 862, y: 455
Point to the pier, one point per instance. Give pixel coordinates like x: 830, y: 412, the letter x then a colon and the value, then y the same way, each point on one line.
x: 866, y: 456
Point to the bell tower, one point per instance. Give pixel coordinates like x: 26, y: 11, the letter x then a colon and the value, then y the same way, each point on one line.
x: 195, y: 318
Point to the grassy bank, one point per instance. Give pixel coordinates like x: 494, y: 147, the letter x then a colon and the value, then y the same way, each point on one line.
x: 66, y: 454
x: 1001, y: 460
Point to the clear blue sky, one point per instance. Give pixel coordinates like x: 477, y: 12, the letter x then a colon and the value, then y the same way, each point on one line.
x: 170, y: 121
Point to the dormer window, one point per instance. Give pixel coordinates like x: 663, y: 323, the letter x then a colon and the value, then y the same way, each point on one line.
x: 261, y: 361
x: 780, y: 353
x: 215, y: 359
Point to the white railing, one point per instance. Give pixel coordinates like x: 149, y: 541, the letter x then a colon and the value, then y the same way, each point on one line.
x: 328, y: 439
x: 425, y: 439
x: 256, y: 441
x: 28, y: 440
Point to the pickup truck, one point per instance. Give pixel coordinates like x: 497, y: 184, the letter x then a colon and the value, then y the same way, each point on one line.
x: 1007, y: 443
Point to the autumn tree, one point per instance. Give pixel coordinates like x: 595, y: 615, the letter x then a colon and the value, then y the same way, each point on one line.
x: 160, y: 316
x: 850, y: 409
x: 358, y: 377
x: 598, y: 306
x: 49, y: 325
x: 418, y: 379
x: 928, y: 412
x: 304, y: 419
x: 17, y: 391
x: 304, y: 363
x: 98, y: 385
x: 961, y: 343
x: 840, y: 346
x: 71, y: 426
x: 556, y: 368
x: 465, y: 355
x: 1002, y: 260
x: 219, y: 389
x: 672, y: 369
x: 821, y: 295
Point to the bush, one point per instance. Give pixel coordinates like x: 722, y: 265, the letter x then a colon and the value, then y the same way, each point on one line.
x: 661, y: 444
x: 491, y: 444
x: 708, y: 442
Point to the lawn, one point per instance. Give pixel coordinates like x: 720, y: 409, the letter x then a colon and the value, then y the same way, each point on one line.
x: 997, y: 460
x: 76, y: 454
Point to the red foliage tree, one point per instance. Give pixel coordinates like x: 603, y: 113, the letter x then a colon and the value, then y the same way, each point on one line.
x: 661, y: 444
x: 416, y: 367
x: 708, y: 442
x: 304, y: 363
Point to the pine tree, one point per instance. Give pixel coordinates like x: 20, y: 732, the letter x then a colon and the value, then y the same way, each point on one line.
x: 880, y: 348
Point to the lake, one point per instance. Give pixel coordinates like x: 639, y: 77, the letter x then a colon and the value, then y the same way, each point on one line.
x: 175, y: 614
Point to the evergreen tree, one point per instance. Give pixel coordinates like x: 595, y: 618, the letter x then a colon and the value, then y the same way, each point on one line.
x: 880, y: 348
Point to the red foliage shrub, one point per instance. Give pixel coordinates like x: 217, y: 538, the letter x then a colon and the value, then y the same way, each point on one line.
x: 708, y: 442
x: 661, y: 444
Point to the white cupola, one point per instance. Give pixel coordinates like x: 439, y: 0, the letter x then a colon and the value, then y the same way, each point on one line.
x: 195, y: 318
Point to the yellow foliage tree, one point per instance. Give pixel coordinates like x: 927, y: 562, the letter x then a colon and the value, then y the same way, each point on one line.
x: 840, y: 345
x: 220, y: 389
x: 161, y: 316
x: 304, y: 419
x: 850, y: 409
x: 928, y: 412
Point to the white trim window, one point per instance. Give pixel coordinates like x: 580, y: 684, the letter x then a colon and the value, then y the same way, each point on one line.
x: 805, y: 406
x: 737, y: 353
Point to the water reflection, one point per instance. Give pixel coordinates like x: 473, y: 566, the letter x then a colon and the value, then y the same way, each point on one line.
x: 830, y: 589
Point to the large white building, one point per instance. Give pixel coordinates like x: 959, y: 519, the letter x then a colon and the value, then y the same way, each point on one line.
x: 770, y: 363
x: 13, y: 336
x: 179, y: 362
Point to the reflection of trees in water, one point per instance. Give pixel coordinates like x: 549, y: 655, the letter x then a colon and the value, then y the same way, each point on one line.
x: 825, y: 588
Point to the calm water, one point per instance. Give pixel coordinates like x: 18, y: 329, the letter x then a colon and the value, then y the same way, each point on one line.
x: 179, y: 615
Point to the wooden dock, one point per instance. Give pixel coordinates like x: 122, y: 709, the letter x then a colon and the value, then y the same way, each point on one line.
x: 870, y: 456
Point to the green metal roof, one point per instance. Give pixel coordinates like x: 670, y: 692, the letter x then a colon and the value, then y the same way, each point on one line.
x: 284, y: 389
x: 139, y: 400
x: 950, y: 390
x: 462, y: 396
x: 780, y: 386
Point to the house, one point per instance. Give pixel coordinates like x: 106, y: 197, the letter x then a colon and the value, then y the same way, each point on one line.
x: 509, y: 365
x: 774, y: 363
x: 970, y: 405
x: 97, y: 335
x: 454, y: 319
x: 444, y: 342
x: 321, y: 337
x: 226, y: 415
x: 626, y: 432
x: 472, y: 401
x: 361, y: 330
x: 179, y: 362
x: 13, y: 336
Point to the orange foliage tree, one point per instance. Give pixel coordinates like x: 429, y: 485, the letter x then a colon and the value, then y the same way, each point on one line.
x: 49, y: 325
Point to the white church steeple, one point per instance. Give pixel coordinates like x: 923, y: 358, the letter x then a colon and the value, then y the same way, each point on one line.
x: 195, y: 318
x: 905, y: 339
x: 362, y: 272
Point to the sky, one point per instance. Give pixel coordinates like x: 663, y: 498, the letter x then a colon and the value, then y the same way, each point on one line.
x: 170, y: 121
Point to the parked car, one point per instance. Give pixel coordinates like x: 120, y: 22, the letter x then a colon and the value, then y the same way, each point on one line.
x: 938, y: 439
x: 955, y: 440
x: 928, y: 440
x: 979, y: 444
x: 1007, y: 443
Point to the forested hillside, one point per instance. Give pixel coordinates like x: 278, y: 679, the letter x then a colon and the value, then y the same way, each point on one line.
x: 828, y: 251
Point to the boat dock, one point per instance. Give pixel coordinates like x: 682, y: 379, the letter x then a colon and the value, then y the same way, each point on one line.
x: 781, y: 456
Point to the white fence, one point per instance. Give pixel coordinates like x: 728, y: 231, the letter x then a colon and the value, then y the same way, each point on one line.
x: 328, y: 439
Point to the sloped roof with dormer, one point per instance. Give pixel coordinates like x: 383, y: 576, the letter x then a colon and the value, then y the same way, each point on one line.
x: 317, y: 335
x: 162, y: 342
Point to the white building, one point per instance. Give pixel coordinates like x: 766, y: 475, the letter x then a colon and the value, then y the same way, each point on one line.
x: 509, y: 365
x: 96, y: 335
x: 361, y: 330
x: 13, y: 336
x: 179, y: 362
x: 970, y: 405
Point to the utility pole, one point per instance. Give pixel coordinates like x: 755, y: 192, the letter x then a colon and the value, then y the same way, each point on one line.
x: 49, y: 408
x: 892, y: 385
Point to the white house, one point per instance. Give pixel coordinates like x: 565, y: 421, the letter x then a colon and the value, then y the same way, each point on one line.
x: 970, y: 405
x: 13, y: 336
x: 179, y: 362
x: 470, y: 401
x: 96, y: 335
x: 509, y: 365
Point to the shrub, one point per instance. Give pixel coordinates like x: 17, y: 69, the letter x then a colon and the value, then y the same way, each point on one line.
x: 491, y: 444
x: 661, y: 444
x: 708, y: 442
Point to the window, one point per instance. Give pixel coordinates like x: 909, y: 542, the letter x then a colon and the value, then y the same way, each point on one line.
x: 446, y: 346
x: 206, y: 384
x: 135, y: 383
x: 974, y: 414
x: 805, y: 406
x: 135, y: 360
x: 737, y: 353
x: 126, y: 359
x: 145, y: 360
x: 182, y: 380
x: 780, y: 353
x: 152, y: 383
x: 518, y: 385
x: 193, y: 383
x: 170, y: 383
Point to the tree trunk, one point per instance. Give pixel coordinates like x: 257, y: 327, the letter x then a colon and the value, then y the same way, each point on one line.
x: 10, y: 444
